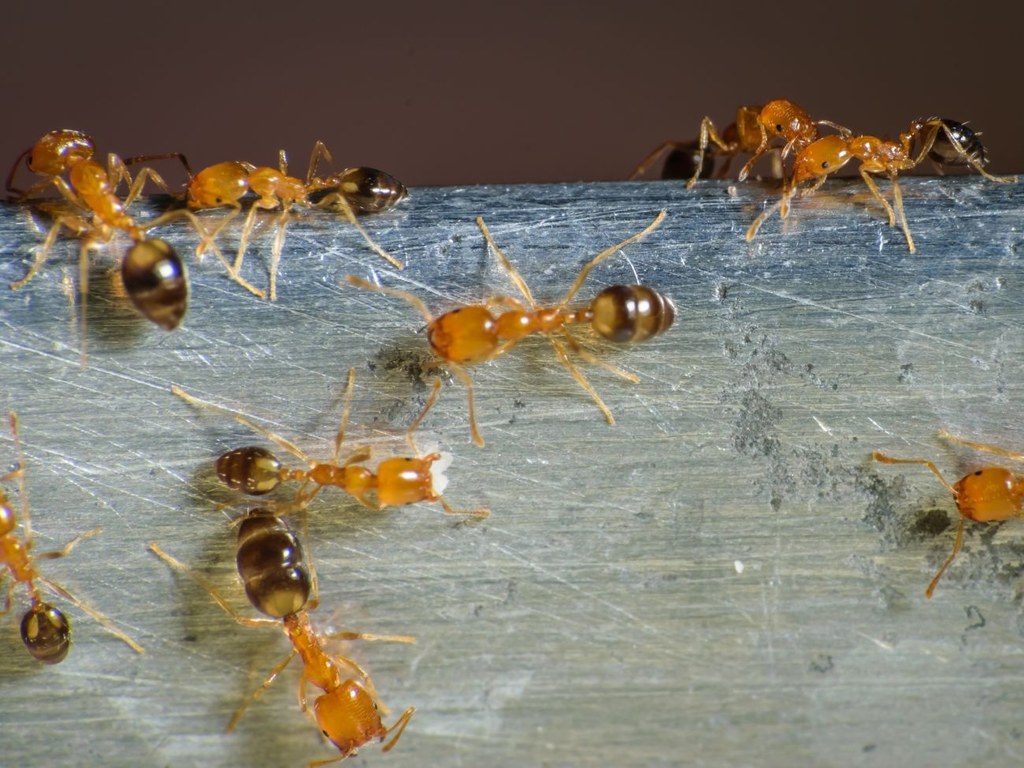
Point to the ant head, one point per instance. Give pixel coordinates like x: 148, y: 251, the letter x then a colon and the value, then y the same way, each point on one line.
x: 820, y: 158
x: 990, y: 493
x: 51, y: 155
x: 785, y: 120
x: 46, y: 633
x: 349, y: 717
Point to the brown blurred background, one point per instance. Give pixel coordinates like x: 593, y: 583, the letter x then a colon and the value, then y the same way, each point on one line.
x: 463, y: 92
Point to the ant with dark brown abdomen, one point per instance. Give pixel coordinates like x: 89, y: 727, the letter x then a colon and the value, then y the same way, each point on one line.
x: 397, y: 481
x: 45, y: 630
x: 282, y: 586
x: 935, y: 137
x: 476, y: 333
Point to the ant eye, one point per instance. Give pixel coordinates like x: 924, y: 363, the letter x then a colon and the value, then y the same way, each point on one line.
x: 978, y: 473
x: 325, y: 735
x: 778, y: 127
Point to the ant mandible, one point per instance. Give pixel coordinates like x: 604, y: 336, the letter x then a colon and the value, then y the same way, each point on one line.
x: 354, y: 190
x: 474, y: 334
x: 752, y: 133
x: 398, y: 481
x: 829, y: 154
x: 45, y: 630
x: 278, y: 582
x: 986, y: 495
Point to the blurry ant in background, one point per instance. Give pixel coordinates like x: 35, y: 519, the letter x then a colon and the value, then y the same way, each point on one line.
x: 986, y: 495
x: 45, y: 630
x: 752, y: 133
x: 937, y: 138
x: 474, y: 334
x: 279, y: 583
x: 354, y: 190
x: 398, y: 480
x: 154, y: 276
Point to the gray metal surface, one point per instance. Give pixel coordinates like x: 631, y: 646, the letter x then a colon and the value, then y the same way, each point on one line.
x: 721, y: 578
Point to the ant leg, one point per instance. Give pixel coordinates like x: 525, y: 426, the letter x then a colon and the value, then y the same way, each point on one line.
x: 66, y: 549
x: 9, y: 596
x: 783, y: 201
x: 879, y: 456
x: 275, y: 252
x: 414, y: 300
x: 399, y: 727
x: 19, y: 473
x: 585, y: 272
x: 758, y: 153
x: 98, y: 617
x: 952, y: 556
x: 982, y: 446
x: 346, y: 410
x: 320, y: 152
x: 503, y: 260
x: 136, y: 159
x: 462, y: 375
x: 655, y: 154
x: 897, y: 196
x: 577, y: 374
x: 589, y: 357
x: 217, y: 597
x: 878, y: 196
x: 255, y: 695
x: 337, y: 202
x: 273, y: 437
x: 435, y: 390
x: 708, y: 133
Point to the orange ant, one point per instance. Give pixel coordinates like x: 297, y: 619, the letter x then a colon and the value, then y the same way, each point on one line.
x: 153, y: 275
x: 354, y: 190
x: 45, y: 630
x: 474, y: 334
x: 938, y: 138
x: 986, y: 495
x: 755, y: 128
x: 278, y: 582
x: 398, y: 481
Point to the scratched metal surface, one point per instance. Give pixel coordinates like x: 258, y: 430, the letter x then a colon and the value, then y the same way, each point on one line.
x: 722, y: 578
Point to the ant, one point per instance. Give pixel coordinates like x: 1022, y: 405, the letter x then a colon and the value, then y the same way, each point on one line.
x: 829, y: 154
x: 474, y: 334
x: 752, y: 133
x: 154, y: 276
x: 45, y: 630
x: 398, y: 480
x: 271, y: 565
x: 354, y: 190
x: 986, y: 495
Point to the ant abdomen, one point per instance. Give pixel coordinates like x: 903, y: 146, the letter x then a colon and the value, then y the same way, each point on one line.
x: 46, y: 633
x: 156, y: 282
x: 252, y: 470
x: 366, y: 190
x: 271, y: 565
x: 943, y: 151
x: 631, y: 313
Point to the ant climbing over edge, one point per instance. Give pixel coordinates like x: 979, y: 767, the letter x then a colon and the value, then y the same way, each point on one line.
x: 354, y: 190
x: 752, y: 133
x: 474, y: 334
x: 398, y: 481
x: 280, y: 584
x: 986, y: 495
x: 935, y: 137
x: 45, y: 630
